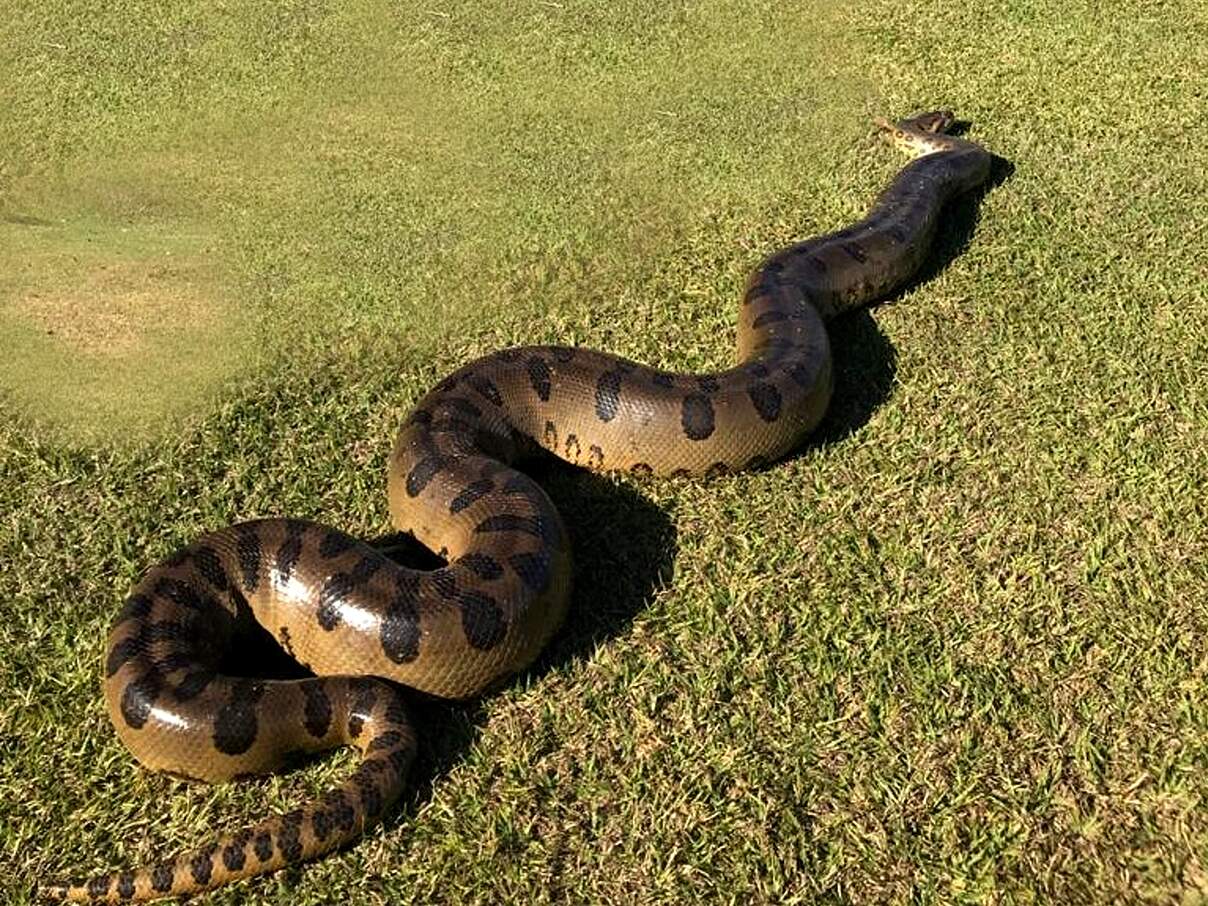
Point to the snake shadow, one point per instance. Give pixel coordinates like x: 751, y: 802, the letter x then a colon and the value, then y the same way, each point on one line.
x: 865, y: 361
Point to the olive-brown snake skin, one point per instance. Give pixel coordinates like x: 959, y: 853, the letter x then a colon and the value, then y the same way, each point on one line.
x: 353, y: 616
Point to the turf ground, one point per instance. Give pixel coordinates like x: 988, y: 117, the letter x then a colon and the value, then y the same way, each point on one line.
x: 952, y: 651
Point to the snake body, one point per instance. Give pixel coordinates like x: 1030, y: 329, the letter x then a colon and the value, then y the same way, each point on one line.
x: 351, y: 615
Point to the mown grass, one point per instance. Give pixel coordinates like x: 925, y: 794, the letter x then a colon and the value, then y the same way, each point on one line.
x: 953, y: 651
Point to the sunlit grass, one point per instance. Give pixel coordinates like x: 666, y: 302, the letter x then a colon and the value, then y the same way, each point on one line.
x: 953, y: 652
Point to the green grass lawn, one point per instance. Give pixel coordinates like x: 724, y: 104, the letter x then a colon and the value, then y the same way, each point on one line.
x: 952, y: 651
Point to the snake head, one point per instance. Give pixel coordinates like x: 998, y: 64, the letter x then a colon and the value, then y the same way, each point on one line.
x: 932, y: 121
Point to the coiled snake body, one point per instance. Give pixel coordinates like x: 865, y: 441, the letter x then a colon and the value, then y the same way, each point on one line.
x: 350, y: 614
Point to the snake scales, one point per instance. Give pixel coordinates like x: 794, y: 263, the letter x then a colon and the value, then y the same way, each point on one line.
x: 350, y: 614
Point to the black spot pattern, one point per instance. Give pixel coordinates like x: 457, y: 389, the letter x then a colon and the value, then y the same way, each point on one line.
x: 263, y: 846
x: 202, y: 865
x: 696, y: 416
x: 399, y: 632
x: 339, y: 586
x: 775, y: 316
x: 371, y: 796
x: 641, y: 468
x: 533, y: 569
x: 161, y: 877
x: 757, y: 370
x: 289, y: 840
x: 766, y: 399
x: 462, y: 406
x: 550, y: 437
x: 662, y: 379
x: 320, y: 824
x: 335, y: 543
x: 317, y: 709
x: 183, y: 595
x: 708, y: 384
x: 482, y: 620
x: 801, y: 375
x: 387, y: 740
x: 137, y: 607
x: 290, y: 551
x: 122, y: 653
x: 210, y: 567
x: 98, y: 887
x: 563, y: 354
x: 595, y: 456
x: 481, y: 565
x: 510, y: 522
x: 486, y: 387
x: 139, y: 696
x: 343, y: 816
x: 363, y: 700
x: 194, y: 683
x: 854, y: 251
x: 472, y: 492
x: 234, y: 857
x: 235, y: 725
x: 125, y: 884
x: 247, y: 548
x: 573, y: 450
x: 539, y: 377
x: 608, y: 395
x: 421, y: 473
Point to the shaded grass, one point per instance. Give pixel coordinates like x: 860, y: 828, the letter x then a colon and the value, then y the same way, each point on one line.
x: 951, y: 652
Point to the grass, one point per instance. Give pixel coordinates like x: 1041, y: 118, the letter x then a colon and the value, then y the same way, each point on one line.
x: 953, y: 651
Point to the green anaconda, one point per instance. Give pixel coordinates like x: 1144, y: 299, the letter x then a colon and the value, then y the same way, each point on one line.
x: 362, y: 623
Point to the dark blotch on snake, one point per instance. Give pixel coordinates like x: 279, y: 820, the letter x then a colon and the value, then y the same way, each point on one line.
x: 387, y: 740
x: 481, y: 565
x: 289, y: 840
x: 210, y: 567
x: 335, y: 543
x: 263, y: 846
x: 125, y: 884
x: 98, y: 887
x: 317, y: 709
x: 137, y: 607
x: 290, y: 550
x: 854, y: 252
x: 472, y: 492
x: 510, y: 522
x: 123, y: 652
x: 235, y: 725
x: 234, y: 857
x: 608, y: 395
x: 539, y: 377
x: 487, y: 388
x: 421, y: 473
x: 482, y: 620
x: 202, y: 865
x: 775, y: 316
x: 801, y: 375
x: 194, y: 684
x: 139, y: 696
x: 247, y: 548
x: 161, y: 877
x: 696, y: 416
x: 766, y: 399
x: 533, y: 569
